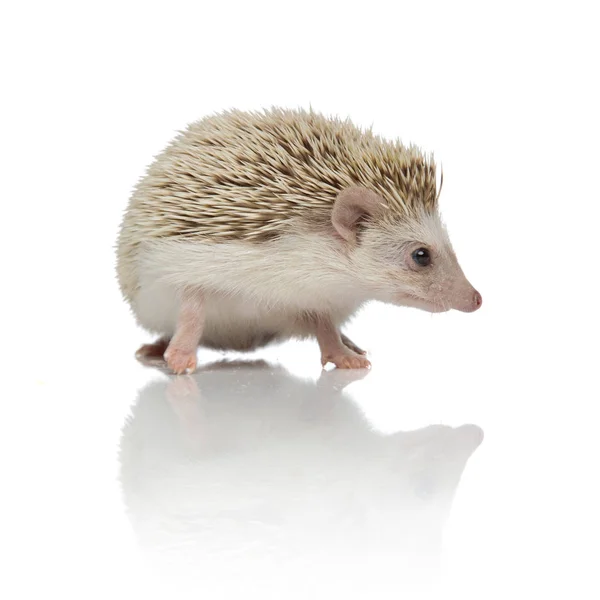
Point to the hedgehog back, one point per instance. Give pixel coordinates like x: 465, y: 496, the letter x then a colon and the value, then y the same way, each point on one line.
x: 249, y: 175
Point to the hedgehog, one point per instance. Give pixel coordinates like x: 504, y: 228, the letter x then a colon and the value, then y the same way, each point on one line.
x: 258, y: 227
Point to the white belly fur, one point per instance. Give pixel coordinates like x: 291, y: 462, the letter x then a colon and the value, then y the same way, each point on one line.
x: 253, y: 294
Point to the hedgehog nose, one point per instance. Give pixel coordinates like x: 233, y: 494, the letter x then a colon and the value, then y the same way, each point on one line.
x: 470, y: 302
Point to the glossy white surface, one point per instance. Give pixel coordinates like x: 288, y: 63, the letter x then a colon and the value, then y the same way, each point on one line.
x: 282, y: 481
x: 249, y: 477
x: 277, y: 480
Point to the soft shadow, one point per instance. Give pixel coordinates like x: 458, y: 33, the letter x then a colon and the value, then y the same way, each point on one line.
x: 245, y: 469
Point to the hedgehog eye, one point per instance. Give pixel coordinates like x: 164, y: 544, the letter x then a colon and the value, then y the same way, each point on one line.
x: 422, y: 257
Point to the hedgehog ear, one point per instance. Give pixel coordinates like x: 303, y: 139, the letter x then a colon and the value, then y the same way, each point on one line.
x: 353, y: 205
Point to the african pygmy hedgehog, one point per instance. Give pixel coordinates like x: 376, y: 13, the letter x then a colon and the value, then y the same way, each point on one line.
x: 254, y: 227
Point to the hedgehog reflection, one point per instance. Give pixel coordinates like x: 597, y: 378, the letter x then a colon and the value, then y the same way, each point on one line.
x: 244, y: 461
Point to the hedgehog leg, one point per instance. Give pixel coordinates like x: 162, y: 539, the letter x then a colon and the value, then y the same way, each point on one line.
x: 181, y: 351
x: 152, y: 353
x: 333, y: 349
x: 350, y: 344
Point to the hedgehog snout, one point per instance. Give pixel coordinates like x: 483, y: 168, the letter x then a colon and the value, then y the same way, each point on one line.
x: 472, y: 304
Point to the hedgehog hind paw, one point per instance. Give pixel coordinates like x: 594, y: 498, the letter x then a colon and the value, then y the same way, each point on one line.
x: 352, y: 346
x: 151, y: 354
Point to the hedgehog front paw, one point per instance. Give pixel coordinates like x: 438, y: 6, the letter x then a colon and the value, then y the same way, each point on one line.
x: 180, y: 360
x: 346, y: 359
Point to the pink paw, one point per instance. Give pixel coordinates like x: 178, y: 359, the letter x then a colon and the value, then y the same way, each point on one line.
x: 180, y: 360
x: 346, y: 360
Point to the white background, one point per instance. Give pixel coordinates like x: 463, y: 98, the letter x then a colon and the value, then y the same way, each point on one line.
x: 506, y: 95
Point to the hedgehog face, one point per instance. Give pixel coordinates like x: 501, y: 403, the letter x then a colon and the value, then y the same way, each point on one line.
x: 402, y: 258
x: 418, y: 265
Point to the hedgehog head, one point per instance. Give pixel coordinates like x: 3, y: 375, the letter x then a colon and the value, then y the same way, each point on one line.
x: 402, y: 255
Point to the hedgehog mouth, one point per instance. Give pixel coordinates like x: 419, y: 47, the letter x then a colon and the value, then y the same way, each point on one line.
x: 425, y: 304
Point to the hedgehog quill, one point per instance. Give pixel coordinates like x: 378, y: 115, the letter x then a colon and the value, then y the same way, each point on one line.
x: 257, y: 227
